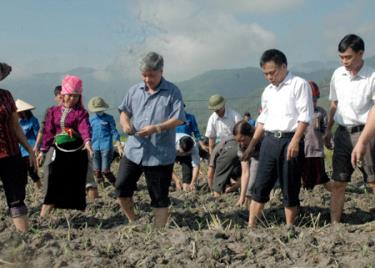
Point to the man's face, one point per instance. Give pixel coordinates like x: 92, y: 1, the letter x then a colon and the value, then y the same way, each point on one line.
x: 274, y: 73
x: 350, y: 59
x: 152, y: 78
x: 220, y: 112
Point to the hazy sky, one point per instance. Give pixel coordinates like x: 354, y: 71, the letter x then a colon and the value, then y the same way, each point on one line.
x: 194, y: 36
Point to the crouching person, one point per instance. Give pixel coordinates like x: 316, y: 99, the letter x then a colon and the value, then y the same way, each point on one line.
x: 187, y: 155
x: 149, y: 114
x: 226, y: 167
x: 243, y: 133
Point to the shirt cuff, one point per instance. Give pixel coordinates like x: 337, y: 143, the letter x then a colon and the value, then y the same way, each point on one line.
x: 304, y: 118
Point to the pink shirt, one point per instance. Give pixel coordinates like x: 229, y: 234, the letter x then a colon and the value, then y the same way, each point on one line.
x: 77, y: 119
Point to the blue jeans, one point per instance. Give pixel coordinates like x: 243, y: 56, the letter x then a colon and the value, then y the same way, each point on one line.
x: 102, y: 160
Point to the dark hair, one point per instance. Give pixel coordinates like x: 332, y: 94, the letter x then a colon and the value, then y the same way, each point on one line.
x: 186, y: 144
x: 244, y: 128
x: 57, y: 90
x: 274, y: 55
x: 247, y: 114
x: 351, y: 41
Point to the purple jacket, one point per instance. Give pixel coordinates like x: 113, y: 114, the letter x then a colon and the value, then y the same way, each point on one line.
x: 77, y: 119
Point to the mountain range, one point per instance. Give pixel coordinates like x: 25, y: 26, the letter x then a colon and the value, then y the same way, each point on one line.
x: 241, y: 87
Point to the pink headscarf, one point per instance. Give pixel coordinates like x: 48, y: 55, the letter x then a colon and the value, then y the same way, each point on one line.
x: 71, y: 85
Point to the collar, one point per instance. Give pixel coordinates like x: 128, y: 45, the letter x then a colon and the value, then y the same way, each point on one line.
x: 363, y: 72
x: 225, y: 113
x: 162, y: 86
x: 287, y: 80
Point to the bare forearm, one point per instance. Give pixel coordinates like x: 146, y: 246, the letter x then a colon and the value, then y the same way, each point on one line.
x: 211, y: 145
x: 171, y: 123
x: 124, y: 120
x: 300, y: 131
x: 245, y: 176
x: 259, y: 132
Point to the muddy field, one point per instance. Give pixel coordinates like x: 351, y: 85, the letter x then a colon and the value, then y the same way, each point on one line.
x: 202, y: 232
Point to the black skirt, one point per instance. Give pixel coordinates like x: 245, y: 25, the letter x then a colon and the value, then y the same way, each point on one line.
x: 67, y: 179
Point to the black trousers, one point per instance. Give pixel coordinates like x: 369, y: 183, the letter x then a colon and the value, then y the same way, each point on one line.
x: 13, y: 173
x: 158, y: 180
x: 273, y: 166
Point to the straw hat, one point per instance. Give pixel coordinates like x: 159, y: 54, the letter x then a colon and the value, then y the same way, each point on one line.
x: 97, y: 104
x: 23, y: 106
x: 216, y: 102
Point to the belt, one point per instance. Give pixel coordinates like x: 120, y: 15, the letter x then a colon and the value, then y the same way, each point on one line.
x: 279, y: 134
x: 352, y: 130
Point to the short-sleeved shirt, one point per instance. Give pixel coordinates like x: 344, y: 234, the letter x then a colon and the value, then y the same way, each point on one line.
x: 221, y: 128
x: 287, y: 104
x: 189, y: 127
x: 314, y: 146
x: 195, y: 158
x: 103, y: 132
x: 8, y: 141
x: 355, y: 95
x: 145, y: 109
x: 30, y: 127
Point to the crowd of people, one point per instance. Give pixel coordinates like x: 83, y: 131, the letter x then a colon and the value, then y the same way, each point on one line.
x: 283, y: 148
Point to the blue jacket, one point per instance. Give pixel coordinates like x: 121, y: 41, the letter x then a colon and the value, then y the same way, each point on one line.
x: 30, y: 127
x: 103, y: 132
x: 190, y: 127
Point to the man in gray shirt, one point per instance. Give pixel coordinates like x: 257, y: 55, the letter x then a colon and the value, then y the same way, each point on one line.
x: 149, y: 114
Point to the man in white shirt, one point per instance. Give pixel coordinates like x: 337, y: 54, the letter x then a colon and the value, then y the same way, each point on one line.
x: 352, y: 95
x: 287, y: 110
x: 221, y: 122
x: 219, y: 127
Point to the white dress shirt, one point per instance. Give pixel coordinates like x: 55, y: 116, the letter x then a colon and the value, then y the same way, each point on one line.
x: 222, y: 127
x: 355, y: 95
x: 285, y: 105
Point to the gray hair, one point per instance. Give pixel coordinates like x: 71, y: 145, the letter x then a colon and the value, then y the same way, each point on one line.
x: 151, y: 62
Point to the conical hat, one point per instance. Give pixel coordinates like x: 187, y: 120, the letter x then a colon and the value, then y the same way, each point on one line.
x: 23, y: 106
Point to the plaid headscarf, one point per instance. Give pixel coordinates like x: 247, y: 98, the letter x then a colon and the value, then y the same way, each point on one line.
x: 71, y: 85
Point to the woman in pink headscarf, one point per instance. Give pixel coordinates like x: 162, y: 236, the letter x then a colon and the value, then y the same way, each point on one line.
x: 67, y: 130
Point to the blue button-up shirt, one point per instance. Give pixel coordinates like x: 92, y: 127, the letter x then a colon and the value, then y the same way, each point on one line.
x: 30, y: 127
x: 103, y: 132
x: 190, y: 127
x: 146, y: 109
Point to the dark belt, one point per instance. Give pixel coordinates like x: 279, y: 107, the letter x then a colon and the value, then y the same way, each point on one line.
x: 279, y: 134
x: 352, y: 130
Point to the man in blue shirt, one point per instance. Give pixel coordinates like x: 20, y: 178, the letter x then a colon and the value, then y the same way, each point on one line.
x: 149, y: 114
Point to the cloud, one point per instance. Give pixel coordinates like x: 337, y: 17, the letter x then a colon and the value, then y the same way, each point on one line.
x: 256, y: 6
x: 349, y: 19
x: 194, y: 39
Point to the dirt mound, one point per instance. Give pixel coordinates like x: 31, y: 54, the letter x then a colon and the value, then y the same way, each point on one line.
x: 202, y: 232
